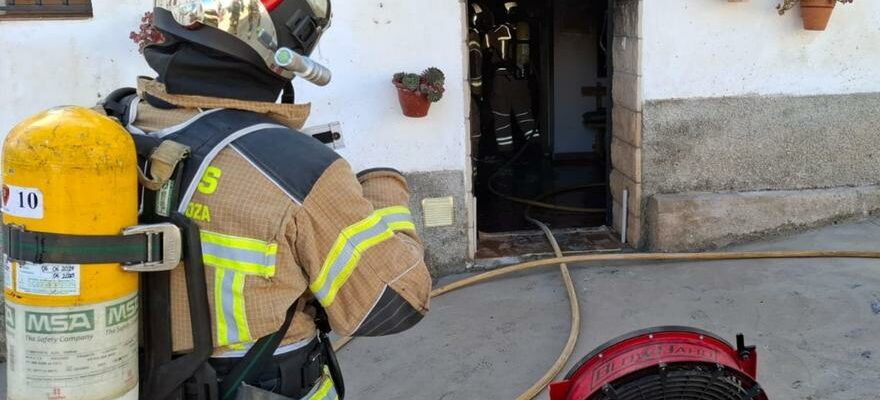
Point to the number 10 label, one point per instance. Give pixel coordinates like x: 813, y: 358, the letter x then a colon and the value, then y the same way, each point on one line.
x: 22, y: 202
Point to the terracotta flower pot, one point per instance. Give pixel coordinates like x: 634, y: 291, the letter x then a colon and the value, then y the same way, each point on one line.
x: 817, y: 13
x: 414, y: 105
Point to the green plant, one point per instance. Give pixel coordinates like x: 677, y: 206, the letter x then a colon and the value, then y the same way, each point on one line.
x: 411, y: 81
x: 431, y: 83
x: 789, y: 4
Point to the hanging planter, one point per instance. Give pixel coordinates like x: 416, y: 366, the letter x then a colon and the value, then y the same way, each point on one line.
x: 815, y: 13
x: 413, y: 104
x: 417, y: 92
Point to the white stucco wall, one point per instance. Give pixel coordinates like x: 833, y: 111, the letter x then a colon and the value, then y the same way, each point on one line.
x: 714, y: 48
x: 45, y: 63
x: 370, y: 41
x: 49, y: 63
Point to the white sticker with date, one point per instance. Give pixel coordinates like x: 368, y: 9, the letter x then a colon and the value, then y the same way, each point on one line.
x: 48, y: 279
x: 22, y: 202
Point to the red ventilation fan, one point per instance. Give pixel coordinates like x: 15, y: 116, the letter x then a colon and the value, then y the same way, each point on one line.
x: 664, y: 363
x: 271, y: 4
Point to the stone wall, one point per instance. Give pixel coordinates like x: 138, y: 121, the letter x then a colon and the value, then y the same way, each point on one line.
x: 703, y: 220
x: 626, y: 144
x: 724, y: 170
x: 446, y: 248
x: 761, y: 143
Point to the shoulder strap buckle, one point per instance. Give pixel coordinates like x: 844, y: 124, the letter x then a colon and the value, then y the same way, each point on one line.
x: 169, y: 239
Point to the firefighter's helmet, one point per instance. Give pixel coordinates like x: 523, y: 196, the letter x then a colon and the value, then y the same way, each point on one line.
x: 264, y: 33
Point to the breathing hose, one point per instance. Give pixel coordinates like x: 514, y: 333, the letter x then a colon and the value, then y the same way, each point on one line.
x: 562, y: 261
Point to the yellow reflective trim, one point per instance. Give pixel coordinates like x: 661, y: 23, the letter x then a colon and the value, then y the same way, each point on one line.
x: 325, y: 388
x: 237, y: 242
x: 341, y: 241
x: 266, y: 271
x: 393, y: 210
x: 222, y: 333
x: 356, y: 258
x: 239, y: 310
x: 237, y: 347
x: 352, y: 263
x: 345, y: 235
x: 402, y: 226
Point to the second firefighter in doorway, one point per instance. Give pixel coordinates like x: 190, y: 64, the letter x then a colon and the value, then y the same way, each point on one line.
x: 511, y: 98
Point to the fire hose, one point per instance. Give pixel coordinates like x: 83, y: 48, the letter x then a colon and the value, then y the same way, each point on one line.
x: 563, y: 261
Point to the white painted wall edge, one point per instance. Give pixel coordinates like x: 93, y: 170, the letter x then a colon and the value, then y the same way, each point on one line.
x: 715, y: 48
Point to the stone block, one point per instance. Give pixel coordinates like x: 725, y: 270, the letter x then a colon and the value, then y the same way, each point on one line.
x: 627, y: 18
x: 627, y: 159
x: 627, y: 91
x: 700, y: 220
x: 627, y: 55
x: 627, y: 125
x: 619, y: 183
x: 633, y: 228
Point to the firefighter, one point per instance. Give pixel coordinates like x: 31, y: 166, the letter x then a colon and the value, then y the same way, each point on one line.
x: 293, y: 241
x: 511, y: 99
x: 479, y: 18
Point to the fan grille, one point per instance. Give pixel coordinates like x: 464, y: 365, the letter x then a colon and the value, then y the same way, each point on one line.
x: 686, y: 381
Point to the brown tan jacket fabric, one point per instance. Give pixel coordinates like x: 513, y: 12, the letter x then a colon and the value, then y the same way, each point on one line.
x: 345, y: 220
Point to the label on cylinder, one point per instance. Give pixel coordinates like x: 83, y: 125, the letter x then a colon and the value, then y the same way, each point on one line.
x: 22, y: 202
x: 48, y: 279
x: 72, y: 353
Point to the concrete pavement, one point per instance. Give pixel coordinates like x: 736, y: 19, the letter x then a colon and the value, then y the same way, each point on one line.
x: 816, y: 323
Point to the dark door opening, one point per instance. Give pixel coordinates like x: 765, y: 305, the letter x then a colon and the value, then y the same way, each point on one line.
x: 541, y: 120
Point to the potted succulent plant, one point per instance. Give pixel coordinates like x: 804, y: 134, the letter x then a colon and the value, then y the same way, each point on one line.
x: 416, y: 92
x: 816, y: 13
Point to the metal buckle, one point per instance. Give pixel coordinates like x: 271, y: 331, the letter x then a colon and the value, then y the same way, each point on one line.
x: 171, y: 247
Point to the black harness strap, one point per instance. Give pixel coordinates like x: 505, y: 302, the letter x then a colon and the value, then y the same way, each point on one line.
x: 206, y: 136
x: 164, y: 376
x: 54, y: 248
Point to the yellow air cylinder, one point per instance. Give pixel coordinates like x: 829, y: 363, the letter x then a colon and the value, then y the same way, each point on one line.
x: 72, y: 330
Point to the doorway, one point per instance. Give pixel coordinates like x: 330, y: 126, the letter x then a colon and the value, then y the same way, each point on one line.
x: 541, y: 124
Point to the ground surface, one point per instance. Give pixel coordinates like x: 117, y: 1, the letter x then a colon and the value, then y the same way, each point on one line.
x: 816, y: 323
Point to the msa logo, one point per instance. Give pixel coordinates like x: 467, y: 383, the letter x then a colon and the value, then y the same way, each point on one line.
x: 122, y: 312
x: 55, y: 323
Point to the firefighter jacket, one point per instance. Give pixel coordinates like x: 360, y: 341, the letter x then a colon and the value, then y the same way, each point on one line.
x: 282, y: 218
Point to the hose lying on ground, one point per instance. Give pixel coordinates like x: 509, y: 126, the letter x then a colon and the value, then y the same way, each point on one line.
x: 574, y: 308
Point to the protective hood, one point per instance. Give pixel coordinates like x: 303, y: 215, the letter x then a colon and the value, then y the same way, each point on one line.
x: 187, y: 68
